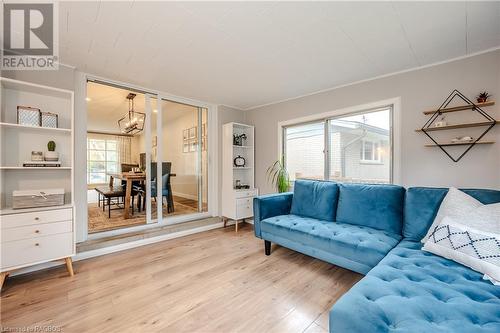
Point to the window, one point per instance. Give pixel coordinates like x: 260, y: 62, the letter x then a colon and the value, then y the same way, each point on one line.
x: 370, y: 151
x: 304, y: 150
x: 102, y: 159
x: 358, y: 148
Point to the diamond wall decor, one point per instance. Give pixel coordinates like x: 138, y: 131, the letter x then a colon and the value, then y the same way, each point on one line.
x: 488, y: 123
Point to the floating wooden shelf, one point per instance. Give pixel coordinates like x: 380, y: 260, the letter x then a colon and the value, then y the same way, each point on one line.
x: 460, y: 143
x: 450, y: 127
x: 460, y: 108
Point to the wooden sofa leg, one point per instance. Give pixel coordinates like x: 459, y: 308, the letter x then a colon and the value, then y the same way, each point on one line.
x: 267, y: 246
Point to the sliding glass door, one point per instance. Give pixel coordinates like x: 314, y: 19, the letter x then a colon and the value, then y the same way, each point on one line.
x: 147, y: 158
x: 350, y: 148
x: 180, y: 153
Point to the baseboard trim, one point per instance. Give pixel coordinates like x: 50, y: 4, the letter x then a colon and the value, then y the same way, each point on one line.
x: 120, y: 247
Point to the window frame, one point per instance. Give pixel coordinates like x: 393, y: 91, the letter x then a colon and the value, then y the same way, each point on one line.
x: 394, y: 106
x: 105, y: 161
x: 376, y: 158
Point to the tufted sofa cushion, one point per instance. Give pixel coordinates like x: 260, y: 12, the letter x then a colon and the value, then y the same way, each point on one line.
x: 317, y: 199
x: 375, y: 206
x: 362, y: 247
x: 422, y: 204
x: 414, y: 291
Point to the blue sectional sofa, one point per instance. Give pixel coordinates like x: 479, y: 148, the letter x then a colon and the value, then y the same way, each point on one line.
x: 376, y: 230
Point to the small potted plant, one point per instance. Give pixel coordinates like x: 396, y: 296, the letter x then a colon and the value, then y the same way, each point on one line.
x: 278, y: 176
x: 483, y: 97
x: 51, y: 154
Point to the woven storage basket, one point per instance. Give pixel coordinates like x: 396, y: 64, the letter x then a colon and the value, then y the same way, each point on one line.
x: 37, y: 198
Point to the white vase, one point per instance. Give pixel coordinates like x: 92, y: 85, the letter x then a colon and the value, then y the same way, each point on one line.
x: 51, y: 156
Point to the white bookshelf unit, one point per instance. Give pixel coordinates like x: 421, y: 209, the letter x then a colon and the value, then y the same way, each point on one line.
x: 237, y: 203
x: 35, y: 235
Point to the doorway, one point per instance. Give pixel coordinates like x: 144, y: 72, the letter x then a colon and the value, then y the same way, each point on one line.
x: 158, y: 150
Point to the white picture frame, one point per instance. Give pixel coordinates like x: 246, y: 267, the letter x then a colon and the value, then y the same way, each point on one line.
x: 192, y: 133
x: 192, y: 146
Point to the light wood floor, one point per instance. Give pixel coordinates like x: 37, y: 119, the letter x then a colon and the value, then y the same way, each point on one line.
x: 216, y: 281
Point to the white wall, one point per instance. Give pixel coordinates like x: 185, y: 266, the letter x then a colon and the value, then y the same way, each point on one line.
x: 419, y: 90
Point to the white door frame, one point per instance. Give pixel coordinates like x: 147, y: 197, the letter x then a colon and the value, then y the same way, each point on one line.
x: 212, y: 156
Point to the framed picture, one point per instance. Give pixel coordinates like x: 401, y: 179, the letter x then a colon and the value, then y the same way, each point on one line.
x: 185, y: 134
x: 192, y: 133
x: 192, y: 146
x: 185, y: 146
x: 203, y: 130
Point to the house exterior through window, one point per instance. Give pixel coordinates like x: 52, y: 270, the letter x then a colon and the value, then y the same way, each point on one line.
x: 351, y: 148
x: 370, y: 151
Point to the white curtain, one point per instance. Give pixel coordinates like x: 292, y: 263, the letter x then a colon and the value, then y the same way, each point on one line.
x: 124, y: 149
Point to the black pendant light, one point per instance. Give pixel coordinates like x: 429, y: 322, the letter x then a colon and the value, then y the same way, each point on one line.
x: 132, y: 122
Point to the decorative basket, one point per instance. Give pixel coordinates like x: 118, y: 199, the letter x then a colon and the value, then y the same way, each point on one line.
x: 28, y: 116
x: 49, y: 120
x: 37, y: 198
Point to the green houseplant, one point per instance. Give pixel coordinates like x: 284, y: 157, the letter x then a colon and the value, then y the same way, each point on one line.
x: 51, y: 154
x: 278, y: 176
x: 51, y: 146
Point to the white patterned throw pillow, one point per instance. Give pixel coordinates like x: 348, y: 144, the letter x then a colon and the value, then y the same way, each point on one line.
x: 471, y: 247
x: 456, y: 204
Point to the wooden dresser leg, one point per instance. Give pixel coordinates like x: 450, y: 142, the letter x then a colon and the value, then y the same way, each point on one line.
x: 69, y: 266
x: 236, y: 225
x: 3, y: 276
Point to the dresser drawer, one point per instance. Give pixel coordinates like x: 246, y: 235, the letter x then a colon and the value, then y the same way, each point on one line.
x: 36, y: 230
x: 246, y: 193
x: 244, y: 208
x: 30, y: 251
x: 48, y: 216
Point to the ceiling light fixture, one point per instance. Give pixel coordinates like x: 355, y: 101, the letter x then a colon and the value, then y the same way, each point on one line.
x: 132, y: 122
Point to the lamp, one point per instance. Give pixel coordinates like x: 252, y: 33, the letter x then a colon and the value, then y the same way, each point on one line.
x: 132, y: 122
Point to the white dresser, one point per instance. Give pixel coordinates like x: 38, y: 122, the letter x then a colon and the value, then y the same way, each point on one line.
x: 30, y: 238
x: 237, y: 202
x: 35, y: 235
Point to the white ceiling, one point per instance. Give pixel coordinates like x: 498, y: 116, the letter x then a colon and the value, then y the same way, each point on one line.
x: 245, y: 54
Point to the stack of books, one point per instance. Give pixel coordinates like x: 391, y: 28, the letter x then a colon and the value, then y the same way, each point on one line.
x: 42, y: 164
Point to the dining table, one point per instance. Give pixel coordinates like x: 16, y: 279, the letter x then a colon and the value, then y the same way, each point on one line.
x: 130, y: 177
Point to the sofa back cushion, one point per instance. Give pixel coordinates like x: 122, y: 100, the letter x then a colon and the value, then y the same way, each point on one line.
x: 422, y: 205
x: 375, y: 206
x: 315, y: 199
